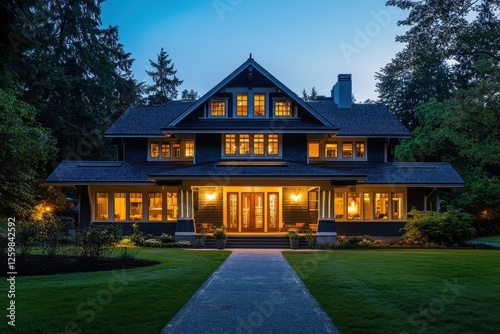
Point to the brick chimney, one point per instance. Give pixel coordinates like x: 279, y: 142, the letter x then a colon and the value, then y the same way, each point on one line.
x: 342, y: 91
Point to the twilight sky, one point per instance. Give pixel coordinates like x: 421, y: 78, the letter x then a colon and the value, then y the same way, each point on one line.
x: 302, y: 43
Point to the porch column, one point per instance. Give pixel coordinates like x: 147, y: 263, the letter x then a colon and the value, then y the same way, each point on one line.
x: 326, y: 220
x: 185, y: 218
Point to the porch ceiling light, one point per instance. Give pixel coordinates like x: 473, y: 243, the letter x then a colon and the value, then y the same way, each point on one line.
x: 296, y: 197
x: 210, y: 196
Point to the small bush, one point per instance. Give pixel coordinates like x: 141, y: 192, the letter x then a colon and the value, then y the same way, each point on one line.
x: 27, y: 236
x: 157, y: 244
x: 311, y: 239
x: 442, y: 228
x: 51, y: 231
x: 149, y: 236
x: 166, y: 238
x: 151, y: 243
x: 136, y: 237
x: 126, y: 242
x: 98, y: 241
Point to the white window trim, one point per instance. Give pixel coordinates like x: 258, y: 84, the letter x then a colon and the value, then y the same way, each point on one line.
x: 221, y: 99
x: 251, y: 155
x: 282, y: 99
x: 339, y: 142
x: 182, y: 143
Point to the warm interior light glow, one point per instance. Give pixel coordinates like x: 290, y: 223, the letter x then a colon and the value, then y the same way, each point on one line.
x: 352, y: 208
x: 296, y: 197
x: 48, y: 208
x: 210, y: 196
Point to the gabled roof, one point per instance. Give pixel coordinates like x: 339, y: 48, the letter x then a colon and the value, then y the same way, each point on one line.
x: 373, y: 120
x: 146, y: 121
x: 233, y: 75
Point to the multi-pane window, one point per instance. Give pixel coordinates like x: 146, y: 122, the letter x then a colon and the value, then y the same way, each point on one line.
x: 354, y: 206
x: 397, y: 206
x: 155, y: 206
x: 244, y: 144
x: 360, y: 150
x: 154, y: 150
x: 272, y: 144
x: 189, y: 149
x: 241, y: 105
x: 172, y: 207
x: 102, y: 206
x: 381, y: 206
x: 218, y: 108
x: 282, y: 108
x: 120, y: 207
x: 314, y: 149
x: 176, y: 150
x: 258, y: 144
x: 165, y: 150
x: 259, y: 105
x: 135, y: 206
x: 347, y: 150
x: 331, y: 150
x: 230, y: 144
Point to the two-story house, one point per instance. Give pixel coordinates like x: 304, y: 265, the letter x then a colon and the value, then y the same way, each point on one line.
x: 252, y: 155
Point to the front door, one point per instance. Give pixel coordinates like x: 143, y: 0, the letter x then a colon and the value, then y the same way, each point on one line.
x: 252, y: 207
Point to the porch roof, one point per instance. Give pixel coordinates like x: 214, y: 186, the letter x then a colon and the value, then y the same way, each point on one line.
x: 412, y: 174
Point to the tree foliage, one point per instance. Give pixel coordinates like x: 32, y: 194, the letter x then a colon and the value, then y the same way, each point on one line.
x: 189, y: 95
x: 165, y: 82
x: 25, y: 148
x: 311, y: 96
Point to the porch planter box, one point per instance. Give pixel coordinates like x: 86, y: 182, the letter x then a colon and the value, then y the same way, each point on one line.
x: 220, y: 243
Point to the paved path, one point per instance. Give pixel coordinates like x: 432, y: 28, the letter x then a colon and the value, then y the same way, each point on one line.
x: 489, y: 243
x: 253, y: 291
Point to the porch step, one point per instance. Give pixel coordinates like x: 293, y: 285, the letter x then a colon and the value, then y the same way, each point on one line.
x: 256, y: 242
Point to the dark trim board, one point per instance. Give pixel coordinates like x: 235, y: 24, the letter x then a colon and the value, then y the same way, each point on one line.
x: 373, y: 229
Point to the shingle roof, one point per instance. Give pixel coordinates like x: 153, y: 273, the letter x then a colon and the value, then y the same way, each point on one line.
x: 274, y: 125
x: 77, y: 172
x: 145, y: 120
x: 361, y: 119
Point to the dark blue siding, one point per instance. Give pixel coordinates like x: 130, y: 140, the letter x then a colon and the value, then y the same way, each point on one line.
x: 295, y: 147
x: 208, y: 147
x: 370, y: 228
x: 416, y: 198
x: 84, y: 213
x: 376, y: 150
x: 136, y: 149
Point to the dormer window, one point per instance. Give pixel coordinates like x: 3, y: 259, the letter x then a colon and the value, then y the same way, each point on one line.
x: 282, y: 108
x: 218, y: 107
x: 242, y: 105
x: 259, y: 105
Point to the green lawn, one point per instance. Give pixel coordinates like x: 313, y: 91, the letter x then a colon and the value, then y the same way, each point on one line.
x: 138, y: 300
x: 494, y: 238
x: 405, y: 291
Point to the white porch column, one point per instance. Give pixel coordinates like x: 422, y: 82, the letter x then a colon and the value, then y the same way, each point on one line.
x: 326, y: 220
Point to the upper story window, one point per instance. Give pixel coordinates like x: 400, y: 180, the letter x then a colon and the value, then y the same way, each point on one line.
x: 218, y: 107
x: 337, y: 150
x: 242, y: 105
x: 244, y: 144
x: 166, y: 150
x: 282, y: 108
x: 259, y: 105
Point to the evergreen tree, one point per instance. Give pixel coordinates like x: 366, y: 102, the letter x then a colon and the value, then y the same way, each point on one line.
x: 311, y: 96
x: 165, y: 82
x: 189, y: 95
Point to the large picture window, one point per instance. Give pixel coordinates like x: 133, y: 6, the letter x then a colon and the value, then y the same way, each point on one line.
x: 120, y: 207
x: 135, y: 206
x: 172, y: 206
x: 369, y: 206
x: 354, y: 206
x: 102, y: 206
x: 381, y: 206
x: 155, y: 206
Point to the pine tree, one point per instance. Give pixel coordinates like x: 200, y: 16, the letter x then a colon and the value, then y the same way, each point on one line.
x: 165, y: 82
x: 189, y: 95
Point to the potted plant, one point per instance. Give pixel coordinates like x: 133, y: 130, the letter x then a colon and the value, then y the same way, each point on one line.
x: 220, y: 237
x: 294, y: 239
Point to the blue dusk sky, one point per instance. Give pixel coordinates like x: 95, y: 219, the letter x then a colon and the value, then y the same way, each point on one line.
x: 302, y: 43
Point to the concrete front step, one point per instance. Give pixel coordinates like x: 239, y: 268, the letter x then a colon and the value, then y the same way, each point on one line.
x: 256, y: 242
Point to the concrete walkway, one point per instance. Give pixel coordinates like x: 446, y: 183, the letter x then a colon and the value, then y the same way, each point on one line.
x: 253, y: 291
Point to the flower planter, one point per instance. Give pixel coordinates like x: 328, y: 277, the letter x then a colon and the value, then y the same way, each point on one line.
x: 294, y: 243
x: 220, y: 243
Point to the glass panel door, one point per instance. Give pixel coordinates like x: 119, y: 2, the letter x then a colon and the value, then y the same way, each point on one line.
x: 232, y: 219
x: 273, y: 212
x: 252, y: 206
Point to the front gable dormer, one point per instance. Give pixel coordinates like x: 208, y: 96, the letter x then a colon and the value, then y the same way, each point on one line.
x: 249, y: 98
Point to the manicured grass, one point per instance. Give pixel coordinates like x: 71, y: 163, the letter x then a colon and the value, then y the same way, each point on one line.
x: 405, y: 291
x: 140, y: 300
x: 493, y: 238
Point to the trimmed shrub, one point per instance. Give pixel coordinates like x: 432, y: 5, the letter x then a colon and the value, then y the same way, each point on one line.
x: 166, y: 238
x: 98, y: 241
x: 442, y: 228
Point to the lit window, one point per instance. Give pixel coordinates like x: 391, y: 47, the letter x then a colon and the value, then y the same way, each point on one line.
x: 346, y: 150
x: 135, y: 206
x: 367, y: 214
x: 338, y: 203
x: 331, y: 150
x: 397, y: 206
x: 176, y: 150
x: 259, y: 105
x: 241, y: 105
x: 120, y: 206
x: 244, y: 144
x: 189, y: 149
x: 313, y: 149
x: 218, y: 108
x: 272, y: 145
x: 165, y: 150
x: 360, y: 150
x: 102, y: 206
x: 154, y: 150
x: 258, y: 144
x: 230, y: 144
x: 381, y: 205
x: 282, y: 108
x: 172, y: 207
x: 354, y: 206
x: 155, y: 206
